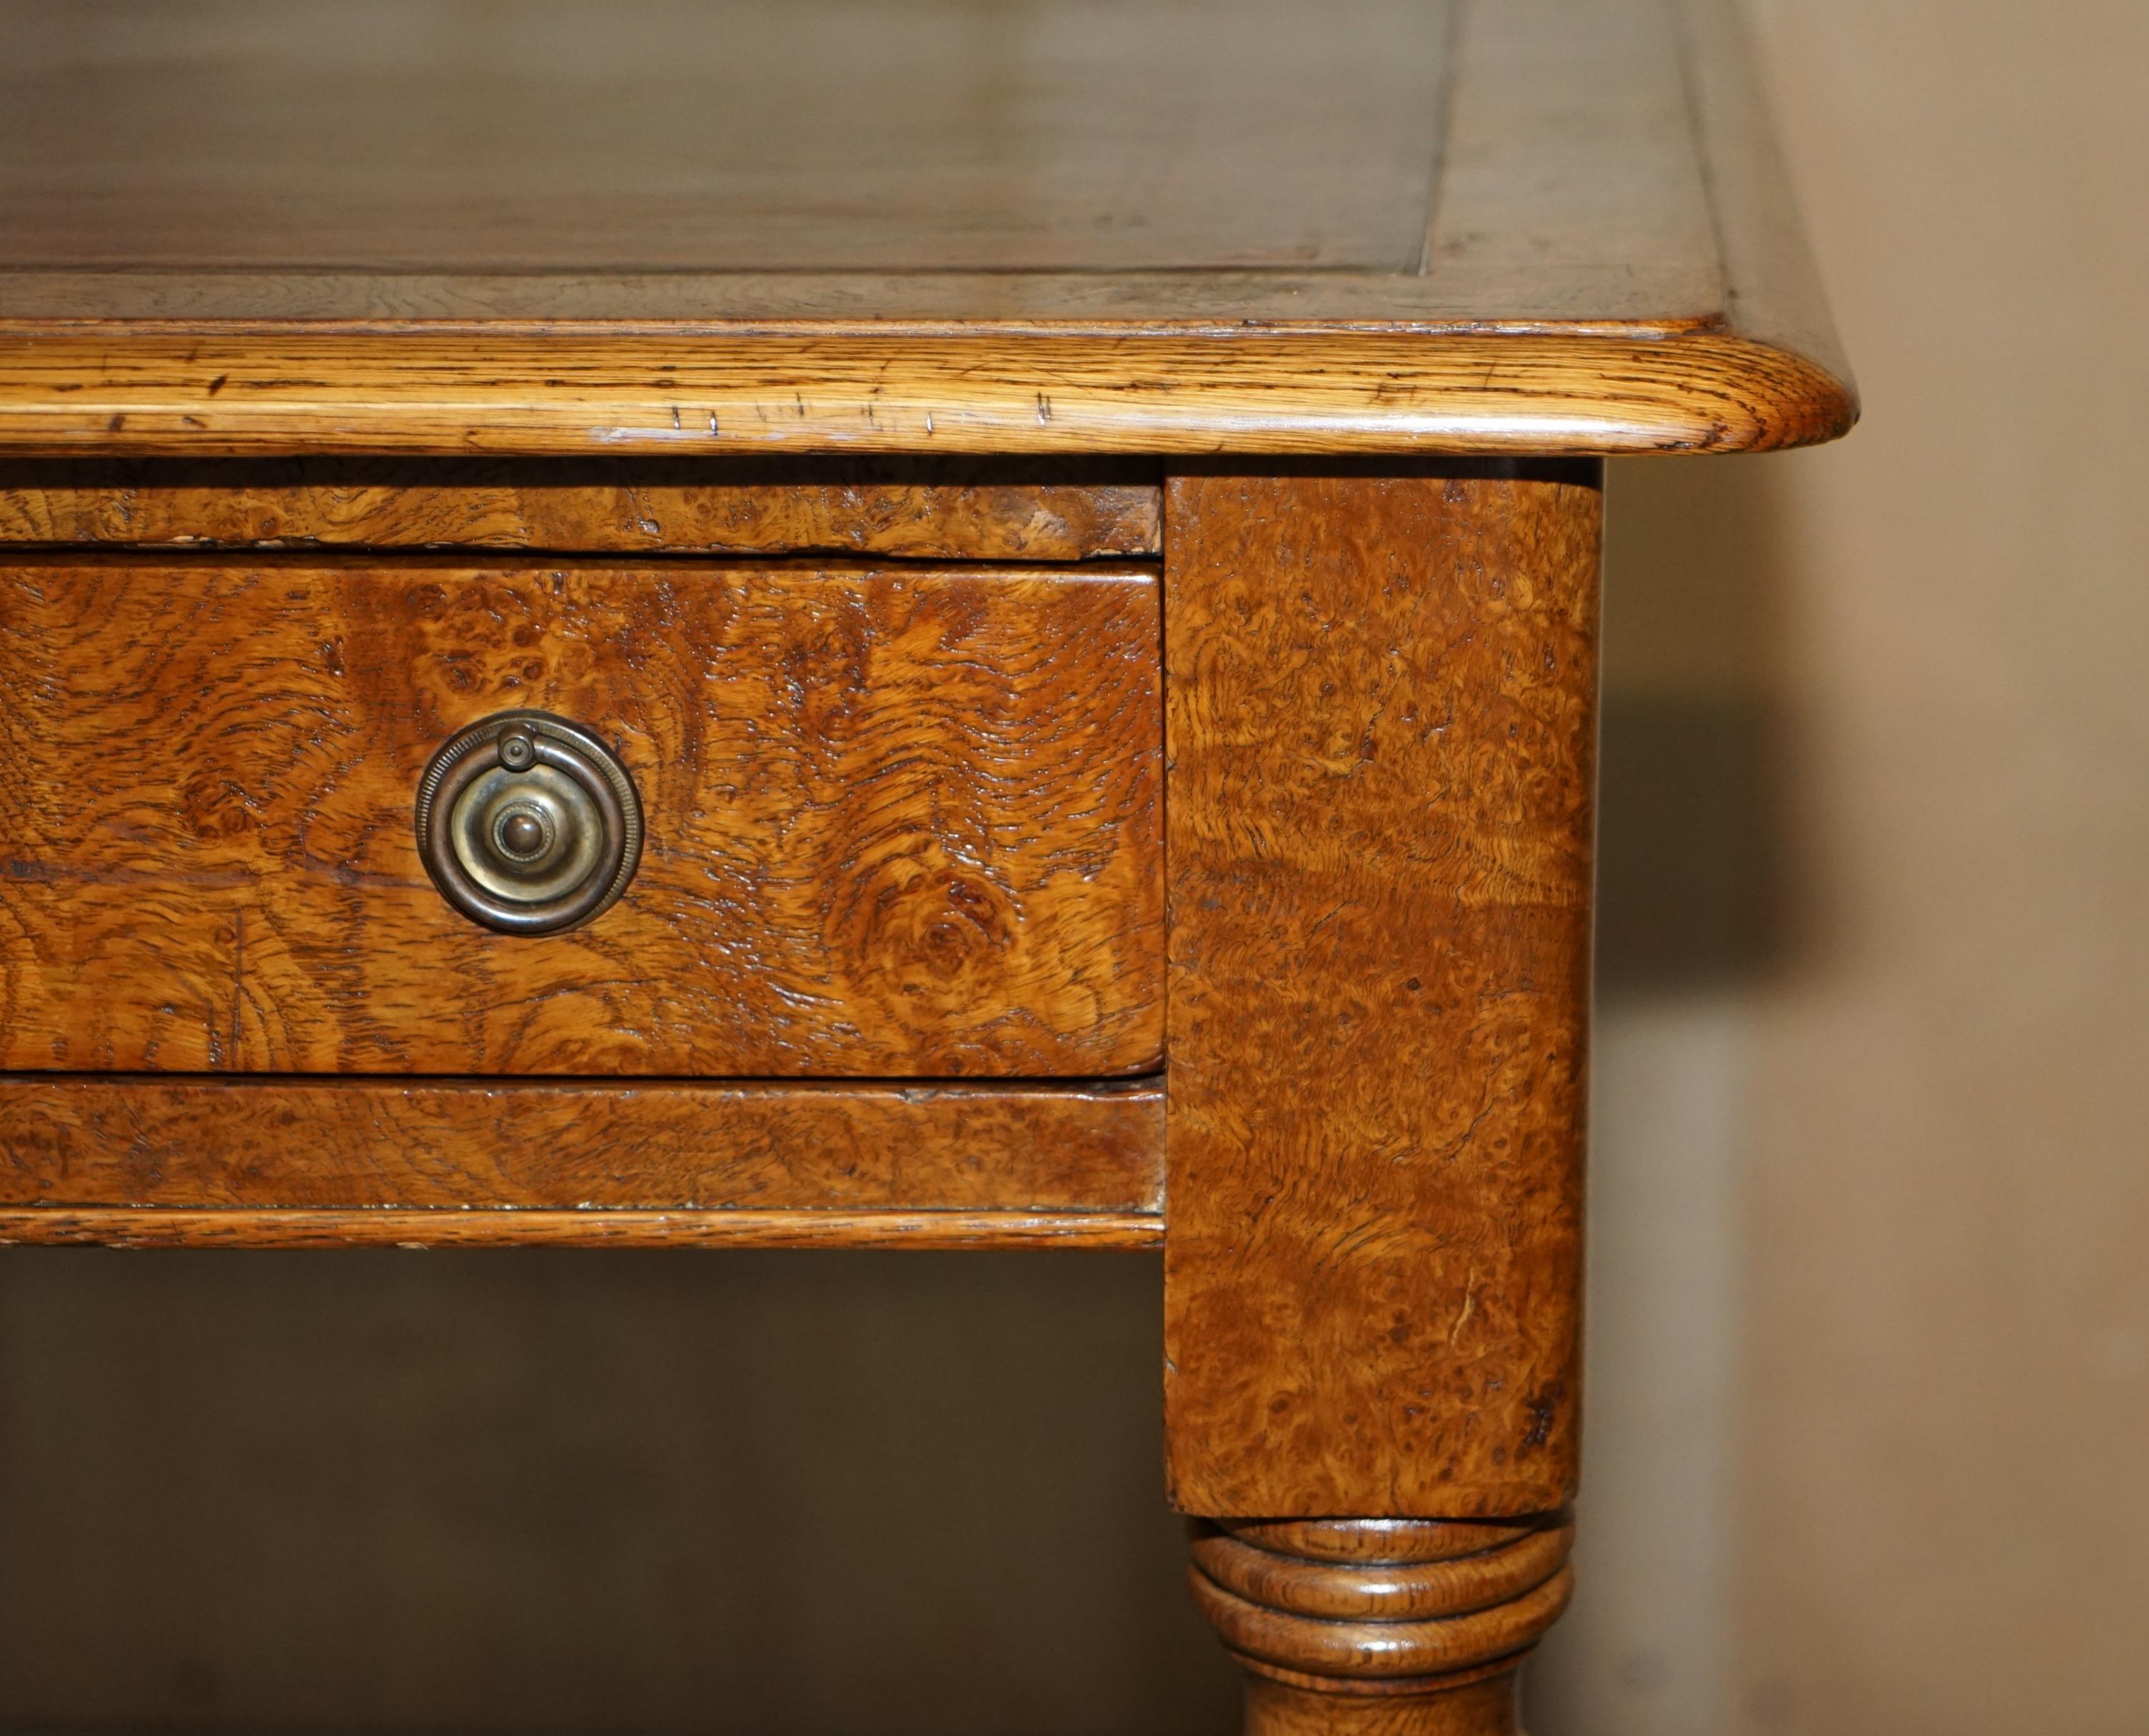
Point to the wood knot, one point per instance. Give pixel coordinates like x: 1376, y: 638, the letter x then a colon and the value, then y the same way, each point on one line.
x: 1380, y: 1606
x: 922, y: 930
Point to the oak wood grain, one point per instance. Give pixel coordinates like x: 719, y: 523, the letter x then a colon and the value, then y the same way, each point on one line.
x: 1068, y: 511
x: 901, y: 822
x: 1609, y: 261
x: 252, y: 390
x: 1373, y: 1590
x: 589, y: 1145
x: 1410, y: 1649
x: 445, y: 1227
x: 1488, y: 1704
x: 1382, y: 1542
x: 1399, y: 1633
x: 1383, y: 701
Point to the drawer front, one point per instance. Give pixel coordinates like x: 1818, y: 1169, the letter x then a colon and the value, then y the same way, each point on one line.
x: 897, y: 823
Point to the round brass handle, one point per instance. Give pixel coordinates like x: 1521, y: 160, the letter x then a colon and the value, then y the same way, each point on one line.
x: 528, y: 824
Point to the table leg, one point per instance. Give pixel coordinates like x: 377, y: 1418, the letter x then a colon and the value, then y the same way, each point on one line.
x: 1381, y: 725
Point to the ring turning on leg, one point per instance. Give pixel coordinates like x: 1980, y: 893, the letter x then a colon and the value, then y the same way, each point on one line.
x: 1382, y: 1627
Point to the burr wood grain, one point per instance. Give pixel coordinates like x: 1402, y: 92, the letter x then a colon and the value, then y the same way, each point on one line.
x: 1070, y: 510
x: 296, y: 1162
x: 899, y: 822
x: 1382, y: 712
x: 75, y: 1141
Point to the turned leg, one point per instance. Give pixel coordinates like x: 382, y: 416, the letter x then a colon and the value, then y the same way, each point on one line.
x: 1381, y: 708
x: 1382, y: 1627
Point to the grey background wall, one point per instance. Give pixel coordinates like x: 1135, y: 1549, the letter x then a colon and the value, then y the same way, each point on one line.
x: 1869, y: 1374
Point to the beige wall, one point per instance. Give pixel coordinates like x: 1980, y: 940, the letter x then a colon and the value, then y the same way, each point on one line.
x: 1869, y: 1412
x: 1871, y: 1358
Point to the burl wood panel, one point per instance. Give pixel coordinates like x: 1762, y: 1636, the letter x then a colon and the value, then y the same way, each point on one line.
x: 592, y: 1146
x: 944, y: 509
x: 899, y: 822
x: 1381, y: 721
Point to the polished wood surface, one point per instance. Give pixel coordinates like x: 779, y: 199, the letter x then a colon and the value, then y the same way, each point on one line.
x: 1327, y: 307
x: 1070, y: 510
x: 1384, y: 1542
x: 1382, y: 727
x: 357, y: 1144
x: 267, y: 391
x: 166, y: 1226
x: 1410, y: 1628
x: 1606, y: 261
x: 1499, y: 1604
x: 899, y: 822
x: 1488, y: 1706
x: 1402, y: 1577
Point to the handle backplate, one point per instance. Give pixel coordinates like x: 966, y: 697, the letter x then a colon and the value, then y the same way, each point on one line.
x: 528, y: 824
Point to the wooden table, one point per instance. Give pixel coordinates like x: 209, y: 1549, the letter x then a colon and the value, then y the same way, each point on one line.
x: 839, y: 625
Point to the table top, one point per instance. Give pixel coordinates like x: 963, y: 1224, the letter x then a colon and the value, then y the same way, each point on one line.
x: 257, y: 226
x: 775, y: 137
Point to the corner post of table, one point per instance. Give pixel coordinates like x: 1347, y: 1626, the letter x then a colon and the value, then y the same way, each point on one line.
x: 1381, y: 726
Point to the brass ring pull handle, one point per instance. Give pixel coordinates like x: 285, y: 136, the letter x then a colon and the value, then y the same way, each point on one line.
x: 528, y: 824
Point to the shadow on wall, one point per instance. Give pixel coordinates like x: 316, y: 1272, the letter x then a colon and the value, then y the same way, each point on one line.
x: 766, y: 1492
x: 1703, y: 897
x: 1697, y: 883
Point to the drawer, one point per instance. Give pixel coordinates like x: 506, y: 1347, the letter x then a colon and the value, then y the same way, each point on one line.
x: 896, y: 821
